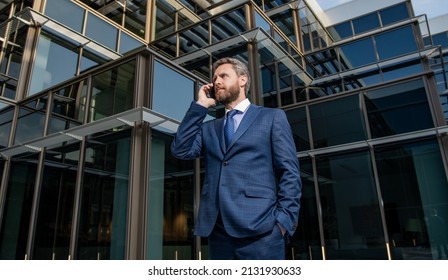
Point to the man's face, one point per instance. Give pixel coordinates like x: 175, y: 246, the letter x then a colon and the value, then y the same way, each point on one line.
x: 227, y: 84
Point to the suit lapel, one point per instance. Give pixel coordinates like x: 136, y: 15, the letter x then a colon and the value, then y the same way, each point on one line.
x: 219, y: 127
x: 248, y: 119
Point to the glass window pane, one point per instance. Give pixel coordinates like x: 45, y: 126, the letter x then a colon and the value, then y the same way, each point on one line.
x: 113, y: 91
x: 6, y: 116
x: 306, y: 240
x: 170, y: 213
x: 171, y: 99
x: 341, y: 31
x: 298, y: 121
x: 102, y: 225
x: 357, y: 54
x: 128, y: 43
x: 366, y: 23
x: 47, y: 70
x: 414, y: 186
x: 228, y: 25
x: 165, y: 18
x: 30, y: 124
x: 56, y: 200
x: 65, y: 12
x: 337, y: 122
x: 17, y: 207
x: 135, y: 19
x: 101, y: 31
x: 402, y: 39
x: 441, y: 39
x: 351, y: 217
x: 398, y: 109
x: 394, y: 14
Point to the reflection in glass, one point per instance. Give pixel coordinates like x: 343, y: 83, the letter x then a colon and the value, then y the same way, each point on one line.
x: 350, y: 209
x: 101, y: 31
x: 398, y: 109
x: 17, y: 207
x: 165, y: 18
x: 68, y: 107
x: 394, y: 14
x: 366, y: 23
x: 305, y: 243
x: 31, y: 122
x: 357, y: 54
x: 102, y: 224
x: 65, y: 12
x: 298, y: 121
x: 171, y: 99
x: 47, y: 70
x: 337, y: 122
x: 228, y: 25
x: 113, y: 91
x: 6, y: 117
x: 170, y: 213
x: 135, y: 17
x: 402, y: 39
x: 56, y: 200
x: 414, y: 188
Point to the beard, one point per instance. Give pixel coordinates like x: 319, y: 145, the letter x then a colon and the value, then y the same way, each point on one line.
x: 228, y: 96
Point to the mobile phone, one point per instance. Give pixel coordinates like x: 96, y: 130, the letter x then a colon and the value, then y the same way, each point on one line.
x: 211, y: 92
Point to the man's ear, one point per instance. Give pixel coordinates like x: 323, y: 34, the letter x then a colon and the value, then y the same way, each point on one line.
x: 243, y: 80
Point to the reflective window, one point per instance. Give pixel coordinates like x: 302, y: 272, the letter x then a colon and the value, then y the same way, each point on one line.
x: 337, y: 122
x: 113, y: 91
x: 69, y: 102
x: 56, y: 200
x: 194, y: 38
x: 128, y: 43
x: 90, y: 59
x: 102, y: 224
x: 165, y: 18
x: 341, y: 31
x: 170, y: 203
x: 441, y: 39
x: 394, y: 14
x: 6, y: 116
x: 31, y: 121
x: 65, y: 12
x: 135, y: 17
x: 402, y: 39
x: 351, y: 217
x: 357, y: 54
x: 228, y: 25
x: 366, y: 23
x: 362, y: 79
x: 398, y: 109
x: 101, y: 31
x: 17, y: 207
x: 171, y: 99
x: 402, y: 69
x: 47, y: 70
x: 298, y: 121
x: 305, y: 243
x: 415, y: 190
x: 285, y: 21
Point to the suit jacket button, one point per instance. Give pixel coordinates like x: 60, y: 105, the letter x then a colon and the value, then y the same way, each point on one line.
x: 226, y: 163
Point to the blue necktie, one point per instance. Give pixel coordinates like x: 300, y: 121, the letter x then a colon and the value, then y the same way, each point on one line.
x: 229, y: 128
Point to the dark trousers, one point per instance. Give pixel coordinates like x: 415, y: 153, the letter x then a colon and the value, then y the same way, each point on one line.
x: 267, y: 246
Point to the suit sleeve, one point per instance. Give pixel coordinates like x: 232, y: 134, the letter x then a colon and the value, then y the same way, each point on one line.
x: 187, y: 143
x: 287, y: 170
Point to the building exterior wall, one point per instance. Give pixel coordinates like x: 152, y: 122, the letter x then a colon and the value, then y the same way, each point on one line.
x: 91, y: 93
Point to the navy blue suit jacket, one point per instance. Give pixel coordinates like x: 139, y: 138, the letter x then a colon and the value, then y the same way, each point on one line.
x: 255, y: 182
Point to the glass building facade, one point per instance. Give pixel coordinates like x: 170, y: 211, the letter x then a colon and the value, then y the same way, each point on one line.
x: 92, y: 92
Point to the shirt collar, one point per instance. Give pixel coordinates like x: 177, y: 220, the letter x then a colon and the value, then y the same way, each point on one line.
x: 242, y: 106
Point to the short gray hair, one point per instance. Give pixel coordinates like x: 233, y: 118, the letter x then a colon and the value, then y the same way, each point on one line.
x: 239, y: 67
